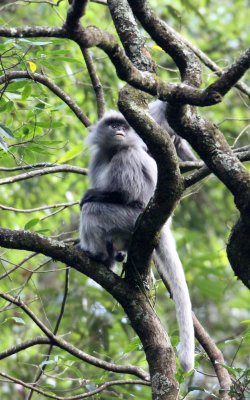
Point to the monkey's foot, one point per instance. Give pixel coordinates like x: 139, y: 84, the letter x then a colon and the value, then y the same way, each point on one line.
x: 120, y: 256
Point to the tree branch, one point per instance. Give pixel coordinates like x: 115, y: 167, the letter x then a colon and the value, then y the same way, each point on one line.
x: 185, y: 60
x: 232, y: 75
x: 63, y: 344
x: 92, y: 36
x: 96, y: 83
x: 43, y: 171
x: 9, y: 76
x: 59, y: 319
x: 156, y: 344
x: 31, y: 210
x: 216, y: 358
x: 75, y: 13
x: 169, y: 185
x: 77, y: 397
x: 129, y: 33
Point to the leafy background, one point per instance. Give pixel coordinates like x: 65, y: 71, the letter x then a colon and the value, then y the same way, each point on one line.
x: 39, y: 127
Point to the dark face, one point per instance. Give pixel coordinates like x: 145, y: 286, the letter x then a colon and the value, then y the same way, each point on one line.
x: 114, y: 133
x: 118, y: 128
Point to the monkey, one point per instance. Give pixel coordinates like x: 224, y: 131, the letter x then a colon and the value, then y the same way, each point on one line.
x: 123, y: 178
x: 158, y: 111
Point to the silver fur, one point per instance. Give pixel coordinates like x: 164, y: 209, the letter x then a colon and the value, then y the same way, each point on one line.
x: 157, y: 110
x: 122, y: 163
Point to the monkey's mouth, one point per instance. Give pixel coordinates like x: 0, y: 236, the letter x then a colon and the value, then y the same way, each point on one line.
x: 120, y: 134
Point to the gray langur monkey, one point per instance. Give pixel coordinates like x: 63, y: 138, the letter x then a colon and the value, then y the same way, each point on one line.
x: 123, y: 178
x: 157, y: 110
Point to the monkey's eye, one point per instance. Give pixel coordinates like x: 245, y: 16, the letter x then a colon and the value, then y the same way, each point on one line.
x: 116, y: 125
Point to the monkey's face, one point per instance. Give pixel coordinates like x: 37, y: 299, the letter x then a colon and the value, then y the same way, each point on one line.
x: 117, y: 131
x: 113, y: 132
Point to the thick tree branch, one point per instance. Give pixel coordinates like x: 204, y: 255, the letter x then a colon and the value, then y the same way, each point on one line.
x: 10, y: 76
x: 75, y: 13
x: 129, y: 33
x: 159, y: 31
x: 92, y: 36
x: 159, y: 353
x: 169, y: 186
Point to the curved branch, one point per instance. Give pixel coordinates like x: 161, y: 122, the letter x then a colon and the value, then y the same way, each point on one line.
x: 77, y: 397
x: 44, y: 171
x: 9, y: 76
x: 24, y: 345
x: 93, y: 36
x: 63, y: 344
x: 156, y: 343
x: 232, y: 75
x: 130, y: 35
x: 185, y: 60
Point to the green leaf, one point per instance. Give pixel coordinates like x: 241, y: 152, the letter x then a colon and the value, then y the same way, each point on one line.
x: 72, y: 153
x: 3, y: 145
x: 17, y: 84
x: 5, y: 131
x: 50, y: 124
x: 33, y: 43
x: 194, y: 387
x: 26, y: 91
x: 31, y: 223
x: 18, y: 320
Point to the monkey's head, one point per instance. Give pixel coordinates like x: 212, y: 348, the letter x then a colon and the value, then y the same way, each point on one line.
x: 112, y: 131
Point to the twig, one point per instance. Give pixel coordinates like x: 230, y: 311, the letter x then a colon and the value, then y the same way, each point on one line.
x: 55, y: 340
x: 96, y: 83
x: 59, y: 319
x: 80, y: 396
x: 44, y: 171
x: 216, y: 358
x: 33, y: 166
x: 7, y: 273
x: 31, y: 210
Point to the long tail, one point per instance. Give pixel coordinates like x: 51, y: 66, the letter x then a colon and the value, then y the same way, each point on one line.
x: 170, y: 268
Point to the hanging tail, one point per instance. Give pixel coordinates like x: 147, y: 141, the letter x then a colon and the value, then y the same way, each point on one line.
x: 170, y: 269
